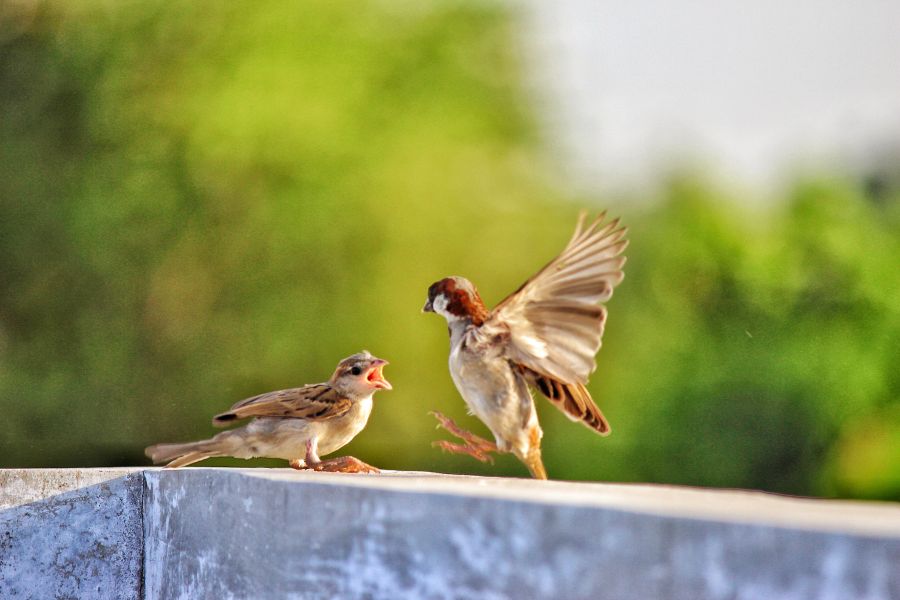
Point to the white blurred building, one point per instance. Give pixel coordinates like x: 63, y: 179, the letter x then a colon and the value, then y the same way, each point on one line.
x: 753, y: 90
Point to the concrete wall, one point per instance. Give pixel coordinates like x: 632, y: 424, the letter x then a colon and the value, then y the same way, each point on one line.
x: 71, y: 533
x: 257, y: 533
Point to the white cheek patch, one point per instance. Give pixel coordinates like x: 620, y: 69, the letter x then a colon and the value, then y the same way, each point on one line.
x: 440, y: 307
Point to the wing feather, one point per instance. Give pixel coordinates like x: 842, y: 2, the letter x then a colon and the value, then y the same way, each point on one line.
x: 317, y: 402
x: 556, y: 318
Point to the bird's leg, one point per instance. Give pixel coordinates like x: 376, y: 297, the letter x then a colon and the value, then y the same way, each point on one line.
x: 475, y: 446
x: 467, y: 436
x: 345, y: 464
x: 463, y: 449
x: 312, y: 455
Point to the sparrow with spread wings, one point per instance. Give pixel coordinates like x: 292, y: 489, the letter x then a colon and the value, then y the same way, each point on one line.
x: 298, y: 424
x: 545, y: 335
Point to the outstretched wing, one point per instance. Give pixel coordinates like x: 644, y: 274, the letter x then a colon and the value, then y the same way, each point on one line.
x: 316, y: 402
x: 555, y: 319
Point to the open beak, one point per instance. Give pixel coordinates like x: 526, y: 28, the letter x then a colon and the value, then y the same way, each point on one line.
x: 375, y: 377
x: 427, y: 308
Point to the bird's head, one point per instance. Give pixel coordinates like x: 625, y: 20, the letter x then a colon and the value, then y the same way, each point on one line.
x: 456, y: 299
x: 360, y: 375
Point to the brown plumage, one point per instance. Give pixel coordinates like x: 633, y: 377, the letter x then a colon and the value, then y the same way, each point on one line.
x: 545, y: 334
x: 297, y: 424
x: 318, y: 401
x: 573, y: 399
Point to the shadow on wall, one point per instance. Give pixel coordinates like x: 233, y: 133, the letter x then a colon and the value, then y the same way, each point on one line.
x: 86, y: 542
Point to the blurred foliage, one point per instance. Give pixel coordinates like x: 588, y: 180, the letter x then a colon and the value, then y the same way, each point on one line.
x: 201, y: 202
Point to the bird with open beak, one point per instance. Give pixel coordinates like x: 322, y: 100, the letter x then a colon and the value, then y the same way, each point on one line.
x: 298, y: 425
x: 545, y: 335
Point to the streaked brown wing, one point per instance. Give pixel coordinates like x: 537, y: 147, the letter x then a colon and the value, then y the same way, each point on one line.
x: 316, y: 402
x: 574, y: 400
x: 555, y: 319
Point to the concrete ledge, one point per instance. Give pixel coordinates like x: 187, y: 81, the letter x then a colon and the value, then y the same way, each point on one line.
x: 71, y: 533
x: 240, y: 533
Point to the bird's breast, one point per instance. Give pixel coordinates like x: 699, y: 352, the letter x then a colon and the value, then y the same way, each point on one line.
x: 337, y: 432
x: 484, y: 382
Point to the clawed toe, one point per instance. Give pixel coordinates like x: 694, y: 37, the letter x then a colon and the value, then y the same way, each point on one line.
x: 345, y: 464
x: 475, y: 446
x: 473, y: 441
x: 443, y: 421
x: 472, y: 451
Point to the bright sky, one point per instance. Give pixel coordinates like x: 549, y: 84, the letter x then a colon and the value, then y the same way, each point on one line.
x: 753, y: 89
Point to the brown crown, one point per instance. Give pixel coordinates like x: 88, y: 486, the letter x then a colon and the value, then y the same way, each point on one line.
x: 463, y: 299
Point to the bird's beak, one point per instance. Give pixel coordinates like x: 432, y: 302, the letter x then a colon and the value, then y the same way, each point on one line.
x: 375, y: 377
x: 427, y: 308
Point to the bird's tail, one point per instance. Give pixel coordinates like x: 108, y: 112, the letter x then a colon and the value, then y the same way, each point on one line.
x: 180, y: 455
x: 573, y: 399
x: 534, y: 463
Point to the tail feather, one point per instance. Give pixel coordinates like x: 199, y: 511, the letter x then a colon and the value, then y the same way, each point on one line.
x: 189, y: 459
x: 534, y: 463
x: 179, y: 455
x: 530, y: 454
x: 573, y: 399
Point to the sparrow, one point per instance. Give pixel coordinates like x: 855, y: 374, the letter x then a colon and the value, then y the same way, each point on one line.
x: 298, y: 424
x: 544, y: 335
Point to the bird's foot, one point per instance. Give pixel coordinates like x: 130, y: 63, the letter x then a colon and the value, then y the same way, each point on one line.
x: 475, y: 446
x: 344, y: 464
x: 298, y: 463
x: 472, y: 451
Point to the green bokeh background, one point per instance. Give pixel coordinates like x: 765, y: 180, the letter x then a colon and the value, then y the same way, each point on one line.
x: 204, y: 201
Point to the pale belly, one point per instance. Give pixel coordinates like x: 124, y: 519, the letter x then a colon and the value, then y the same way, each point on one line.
x: 496, y: 395
x: 287, y: 438
x: 337, y: 433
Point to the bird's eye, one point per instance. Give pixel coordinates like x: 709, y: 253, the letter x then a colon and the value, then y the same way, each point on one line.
x: 355, y: 370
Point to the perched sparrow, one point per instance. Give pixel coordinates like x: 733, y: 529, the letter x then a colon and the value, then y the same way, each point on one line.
x: 544, y: 335
x: 297, y: 424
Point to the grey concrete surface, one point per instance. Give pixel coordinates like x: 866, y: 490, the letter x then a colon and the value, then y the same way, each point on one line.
x: 271, y: 534
x: 277, y: 533
x: 71, y: 533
